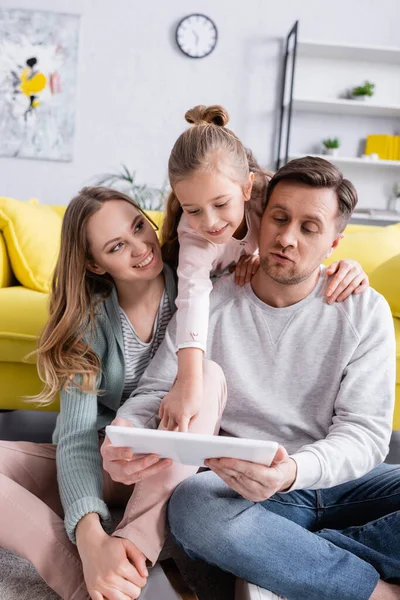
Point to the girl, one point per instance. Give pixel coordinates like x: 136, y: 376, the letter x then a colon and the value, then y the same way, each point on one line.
x: 213, y: 217
x: 111, y: 300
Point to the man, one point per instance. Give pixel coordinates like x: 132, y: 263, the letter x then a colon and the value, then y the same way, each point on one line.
x: 323, y: 520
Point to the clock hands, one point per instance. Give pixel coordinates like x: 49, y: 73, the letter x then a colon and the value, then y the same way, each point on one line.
x: 196, y: 37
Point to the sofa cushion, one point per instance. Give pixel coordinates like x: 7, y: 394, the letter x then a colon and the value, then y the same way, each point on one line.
x: 6, y: 275
x: 386, y: 280
x: 396, y: 422
x: 370, y: 247
x: 59, y: 209
x: 32, y: 235
x: 23, y: 314
x: 157, y: 217
x: 357, y: 228
x: 18, y: 382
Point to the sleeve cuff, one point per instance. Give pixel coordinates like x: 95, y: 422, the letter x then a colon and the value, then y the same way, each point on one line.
x: 191, y: 345
x: 309, y: 471
x: 83, y: 507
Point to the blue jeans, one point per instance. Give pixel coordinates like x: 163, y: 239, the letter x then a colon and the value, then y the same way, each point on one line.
x: 305, y: 545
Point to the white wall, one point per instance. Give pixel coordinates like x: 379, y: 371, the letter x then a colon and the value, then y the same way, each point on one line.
x: 134, y: 85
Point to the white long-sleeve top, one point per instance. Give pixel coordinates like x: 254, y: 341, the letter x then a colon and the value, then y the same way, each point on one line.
x: 317, y: 378
x: 200, y: 259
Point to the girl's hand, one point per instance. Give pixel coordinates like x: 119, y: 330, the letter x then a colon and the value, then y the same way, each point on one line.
x: 246, y: 267
x: 349, y: 279
x: 113, y: 568
x: 180, y: 406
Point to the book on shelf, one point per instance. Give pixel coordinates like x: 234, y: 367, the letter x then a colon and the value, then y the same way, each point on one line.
x: 387, y: 147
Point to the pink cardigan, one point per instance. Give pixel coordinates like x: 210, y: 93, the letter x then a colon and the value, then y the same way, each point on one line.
x: 199, y: 259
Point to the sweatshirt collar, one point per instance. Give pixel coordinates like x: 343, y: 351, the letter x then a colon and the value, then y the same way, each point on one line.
x: 319, y: 290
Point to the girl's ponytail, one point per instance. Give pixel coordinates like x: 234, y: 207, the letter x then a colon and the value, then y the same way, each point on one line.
x: 204, y: 115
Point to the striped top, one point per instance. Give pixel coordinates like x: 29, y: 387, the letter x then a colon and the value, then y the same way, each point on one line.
x: 138, y: 354
x: 83, y: 415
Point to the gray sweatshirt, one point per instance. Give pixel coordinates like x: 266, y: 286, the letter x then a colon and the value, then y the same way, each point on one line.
x: 317, y: 378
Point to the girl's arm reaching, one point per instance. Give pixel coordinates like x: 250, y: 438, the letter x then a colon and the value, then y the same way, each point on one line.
x: 183, y: 402
x: 349, y: 279
x: 196, y: 260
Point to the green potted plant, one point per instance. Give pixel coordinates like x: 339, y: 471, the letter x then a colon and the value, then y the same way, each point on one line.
x: 147, y: 197
x: 331, y: 146
x: 363, y: 92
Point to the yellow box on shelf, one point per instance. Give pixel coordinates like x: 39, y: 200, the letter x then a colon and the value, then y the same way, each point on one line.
x: 375, y: 145
x: 387, y: 147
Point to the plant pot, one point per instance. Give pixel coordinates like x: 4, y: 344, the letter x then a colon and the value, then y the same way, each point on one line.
x: 332, y: 151
x: 360, y: 98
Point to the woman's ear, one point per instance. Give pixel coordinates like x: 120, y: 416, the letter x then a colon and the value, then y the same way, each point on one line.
x: 91, y: 266
x: 249, y: 186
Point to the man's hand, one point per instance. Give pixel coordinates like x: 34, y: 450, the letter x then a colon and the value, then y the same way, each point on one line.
x: 126, y: 467
x: 113, y: 568
x: 253, y: 481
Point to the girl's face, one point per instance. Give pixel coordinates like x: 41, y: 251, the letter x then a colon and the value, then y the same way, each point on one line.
x: 213, y: 203
x: 123, y: 243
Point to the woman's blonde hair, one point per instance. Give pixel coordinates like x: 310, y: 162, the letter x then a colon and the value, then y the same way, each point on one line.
x: 199, y: 148
x: 64, y: 354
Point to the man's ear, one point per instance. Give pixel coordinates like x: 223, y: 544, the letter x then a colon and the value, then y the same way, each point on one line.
x: 91, y: 266
x: 249, y: 186
x: 335, y: 244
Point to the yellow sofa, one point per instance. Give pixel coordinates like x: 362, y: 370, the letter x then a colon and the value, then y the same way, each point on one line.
x: 23, y: 311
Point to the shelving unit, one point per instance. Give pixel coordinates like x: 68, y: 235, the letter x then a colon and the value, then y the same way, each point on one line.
x: 314, y: 106
x: 348, y: 107
x: 348, y: 51
x: 353, y: 160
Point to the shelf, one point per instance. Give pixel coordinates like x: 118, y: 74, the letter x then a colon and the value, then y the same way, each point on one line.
x: 353, y: 160
x: 373, y: 214
x: 348, y: 51
x: 343, y: 106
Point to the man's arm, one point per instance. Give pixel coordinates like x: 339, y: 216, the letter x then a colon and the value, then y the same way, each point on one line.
x: 358, y: 439
x: 142, y: 407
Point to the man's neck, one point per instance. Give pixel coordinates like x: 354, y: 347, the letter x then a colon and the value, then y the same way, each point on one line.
x: 279, y: 295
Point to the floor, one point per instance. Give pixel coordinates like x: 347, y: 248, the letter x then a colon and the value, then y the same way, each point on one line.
x: 210, y: 583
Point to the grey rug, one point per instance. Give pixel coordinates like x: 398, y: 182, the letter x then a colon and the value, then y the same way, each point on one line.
x: 20, y: 581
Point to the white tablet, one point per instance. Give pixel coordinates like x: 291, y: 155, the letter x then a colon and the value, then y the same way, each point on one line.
x: 191, y: 448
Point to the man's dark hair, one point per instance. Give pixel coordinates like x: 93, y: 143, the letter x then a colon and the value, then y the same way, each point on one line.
x: 318, y: 173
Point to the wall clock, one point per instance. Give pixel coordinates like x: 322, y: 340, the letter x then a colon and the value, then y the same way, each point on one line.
x: 196, y: 35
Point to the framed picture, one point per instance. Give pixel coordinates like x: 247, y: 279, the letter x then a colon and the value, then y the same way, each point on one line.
x: 38, y: 71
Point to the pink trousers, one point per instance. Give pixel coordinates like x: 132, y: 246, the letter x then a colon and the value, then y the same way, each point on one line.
x: 31, y: 515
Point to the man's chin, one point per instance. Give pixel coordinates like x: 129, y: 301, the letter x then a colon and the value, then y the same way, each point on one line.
x: 283, y: 274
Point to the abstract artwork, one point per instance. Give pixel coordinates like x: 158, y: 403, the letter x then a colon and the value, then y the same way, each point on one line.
x: 38, y: 63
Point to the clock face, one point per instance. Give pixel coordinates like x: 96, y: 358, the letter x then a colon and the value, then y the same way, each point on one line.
x: 196, y: 35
